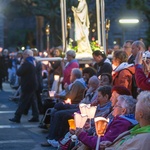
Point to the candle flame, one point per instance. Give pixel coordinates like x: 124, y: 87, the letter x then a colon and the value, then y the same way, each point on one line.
x: 68, y: 101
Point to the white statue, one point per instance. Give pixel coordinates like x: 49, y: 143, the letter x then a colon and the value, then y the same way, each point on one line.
x: 82, y: 25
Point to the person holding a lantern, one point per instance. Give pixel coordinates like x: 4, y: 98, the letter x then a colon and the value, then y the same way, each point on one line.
x: 139, y: 136
x: 73, y: 95
x: 102, y: 108
x: 123, y: 113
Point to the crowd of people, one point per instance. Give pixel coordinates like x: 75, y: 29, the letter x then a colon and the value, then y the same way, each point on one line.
x: 107, y: 84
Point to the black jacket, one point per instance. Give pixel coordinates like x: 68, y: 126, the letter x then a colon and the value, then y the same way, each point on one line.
x: 103, y: 67
x: 2, y: 67
x: 27, y: 72
x: 131, y: 59
x: 39, y: 75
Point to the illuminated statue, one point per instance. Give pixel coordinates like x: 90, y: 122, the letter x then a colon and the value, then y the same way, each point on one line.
x: 82, y: 25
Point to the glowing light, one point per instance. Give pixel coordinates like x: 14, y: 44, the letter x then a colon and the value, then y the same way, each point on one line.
x: 68, y: 101
x: 23, y: 48
x: 128, y: 21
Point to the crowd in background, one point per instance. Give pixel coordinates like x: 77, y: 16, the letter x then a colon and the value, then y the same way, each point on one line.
x: 119, y: 87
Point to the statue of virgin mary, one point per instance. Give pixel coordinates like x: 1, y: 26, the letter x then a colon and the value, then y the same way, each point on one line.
x: 82, y: 25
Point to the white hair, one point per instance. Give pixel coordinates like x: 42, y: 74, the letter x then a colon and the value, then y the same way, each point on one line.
x: 127, y: 102
x: 6, y: 50
x: 28, y: 52
x: 94, y: 79
x: 144, y: 100
x: 71, y: 53
x: 139, y: 43
x: 77, y: 72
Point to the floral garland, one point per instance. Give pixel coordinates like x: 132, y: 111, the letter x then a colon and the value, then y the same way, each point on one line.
x: 94, y: 45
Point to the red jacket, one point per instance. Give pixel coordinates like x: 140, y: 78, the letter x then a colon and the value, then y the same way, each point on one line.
x: 68, y: 69
x: 142, y: 81
x: 124, y: 78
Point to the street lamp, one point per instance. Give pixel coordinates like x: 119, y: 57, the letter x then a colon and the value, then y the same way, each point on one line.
x: 68, y: 27
x: 125, y: 22
x: 107, y: 27
x: 47, y: 31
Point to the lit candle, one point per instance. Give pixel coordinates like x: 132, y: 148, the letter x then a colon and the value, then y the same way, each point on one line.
x: 45, y: 54
x: 68, y: 101
x: 72, y: 124
x: 52, y: 93
x: 56, y: 77
x: 40, y: 54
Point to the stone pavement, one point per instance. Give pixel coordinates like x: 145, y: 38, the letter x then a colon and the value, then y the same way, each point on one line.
x: 13, y: 136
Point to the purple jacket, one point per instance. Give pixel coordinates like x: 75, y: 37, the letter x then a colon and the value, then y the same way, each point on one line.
x: 119, y: 125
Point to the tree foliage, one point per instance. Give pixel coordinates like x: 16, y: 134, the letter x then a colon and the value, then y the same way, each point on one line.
x: 144, y: 7
x: 50, y: 10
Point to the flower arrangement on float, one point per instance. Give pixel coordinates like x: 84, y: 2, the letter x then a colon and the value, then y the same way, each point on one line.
x: 93, y: 43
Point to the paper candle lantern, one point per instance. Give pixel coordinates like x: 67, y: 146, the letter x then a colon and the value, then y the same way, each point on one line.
x: 100, y: 125
x: 80, y: 119
x: 72, y: 124
x: 88, y: 110
x: 52, y: 93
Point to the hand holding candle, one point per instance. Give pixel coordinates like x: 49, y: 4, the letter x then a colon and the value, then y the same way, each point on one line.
x: 100, y: 125
x: 68, y: 101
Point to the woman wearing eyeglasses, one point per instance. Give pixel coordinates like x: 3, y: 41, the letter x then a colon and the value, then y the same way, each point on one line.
x: 123, y: 113
x: 139, y: 136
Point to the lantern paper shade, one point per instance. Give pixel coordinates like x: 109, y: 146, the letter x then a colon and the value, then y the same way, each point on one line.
x: 72, y: 124
x: 88, y: 110
x: 52, y: 93
x: 101, y: 125
x: 56, y: 77
x: 80, y: 119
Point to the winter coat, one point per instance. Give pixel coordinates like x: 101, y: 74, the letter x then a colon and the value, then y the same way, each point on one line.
x: 103, y: 67
x: 131, y: 59
x: 136, y: 139
x: 119, y: 125
x: 27, y: 72
x: 122, y: 76
x: 142, y: 81
x: 39, y: 75
x: 2, y: 67
x: 75, y: 91
x: 67, y: 71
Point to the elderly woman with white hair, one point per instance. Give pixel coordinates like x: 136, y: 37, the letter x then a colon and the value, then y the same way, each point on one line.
x: 139, y: 136
x: 67, y: 68
x: 123, y: 121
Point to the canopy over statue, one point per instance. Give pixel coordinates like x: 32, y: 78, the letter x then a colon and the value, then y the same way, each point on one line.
x: 82, y: 25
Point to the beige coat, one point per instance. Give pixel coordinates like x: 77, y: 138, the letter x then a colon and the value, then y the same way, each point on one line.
x: 136, y: 142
